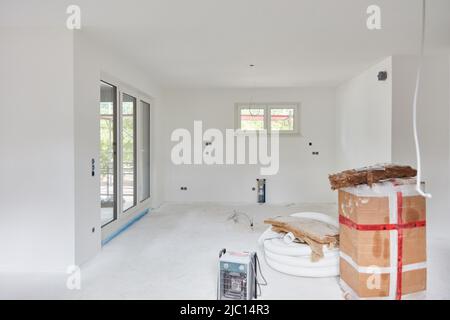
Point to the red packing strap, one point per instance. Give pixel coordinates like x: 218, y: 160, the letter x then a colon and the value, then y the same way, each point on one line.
x: 398, y: 294
x: 380, y: 227
x: 400, y: 226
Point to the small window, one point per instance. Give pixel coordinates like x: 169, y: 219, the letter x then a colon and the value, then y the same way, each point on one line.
x: 281, y: 117
x: 252, y: 119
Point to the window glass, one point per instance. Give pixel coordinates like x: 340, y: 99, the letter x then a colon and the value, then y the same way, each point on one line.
x: 107, y: 153
x: 252, y: 118
x: 145, y: 151
x: 282, y: 119
x: 128, y: 151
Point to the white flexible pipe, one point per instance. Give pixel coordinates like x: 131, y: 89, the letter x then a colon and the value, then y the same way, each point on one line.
x: 416, y: 93
x: 295, y: 258
x: 303, y: 261
x: 318, y: 272
x: 295, y: 249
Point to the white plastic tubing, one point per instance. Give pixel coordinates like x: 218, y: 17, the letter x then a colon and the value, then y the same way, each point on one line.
x: 416, y: 93
x: 295, y: 258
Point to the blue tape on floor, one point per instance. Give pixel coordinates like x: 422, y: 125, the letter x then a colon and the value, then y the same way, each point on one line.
x: 124, y: 227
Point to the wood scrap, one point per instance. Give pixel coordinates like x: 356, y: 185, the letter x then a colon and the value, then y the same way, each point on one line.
x: 370, y: 175
x: 312, y: 232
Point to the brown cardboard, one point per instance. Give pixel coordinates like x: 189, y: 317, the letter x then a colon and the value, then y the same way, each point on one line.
x: 312, y: 232
x: 412, y: 281
x: 368, y: 248
x: 358, y: 281
x: 318, y: 231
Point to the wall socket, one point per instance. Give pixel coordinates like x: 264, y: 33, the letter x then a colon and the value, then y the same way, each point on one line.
x: 315, y: 153
x: 183, y: 188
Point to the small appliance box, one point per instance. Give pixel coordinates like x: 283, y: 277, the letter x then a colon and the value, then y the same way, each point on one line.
x: 383, y: 241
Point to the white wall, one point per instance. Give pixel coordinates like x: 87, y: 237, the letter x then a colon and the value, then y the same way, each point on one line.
x: 49, y: 134
x: 433, y: 128
x: 91, y: 61
x: 302, y: 177
x: 37, y: 151
x: 374, y: 124
x: 364, y: 108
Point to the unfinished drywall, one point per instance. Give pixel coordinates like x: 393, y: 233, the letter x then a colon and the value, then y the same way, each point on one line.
x: 91, y: 60
x: 364, y: 111
x: 50, y: 209
x: 374, y: 124
x: 37, y: 158
x: 302, y: 176
x: 433, y: 129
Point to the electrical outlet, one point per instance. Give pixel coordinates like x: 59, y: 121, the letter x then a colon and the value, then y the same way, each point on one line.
x: 315, y: 153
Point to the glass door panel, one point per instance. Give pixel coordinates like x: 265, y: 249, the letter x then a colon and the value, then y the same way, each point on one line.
x: 128, y: 143
x: 145, y: 151
x: 108, y: 181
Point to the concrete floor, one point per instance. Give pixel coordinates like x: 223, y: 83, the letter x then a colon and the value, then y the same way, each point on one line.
x: 171, y: 253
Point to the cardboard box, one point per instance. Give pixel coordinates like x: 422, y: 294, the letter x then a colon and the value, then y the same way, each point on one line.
x: 383, y: 240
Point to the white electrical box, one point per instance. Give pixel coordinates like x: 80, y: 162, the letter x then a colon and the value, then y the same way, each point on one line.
x: 237, y: 276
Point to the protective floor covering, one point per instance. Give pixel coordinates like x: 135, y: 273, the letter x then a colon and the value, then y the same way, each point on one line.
x: 172, y: 253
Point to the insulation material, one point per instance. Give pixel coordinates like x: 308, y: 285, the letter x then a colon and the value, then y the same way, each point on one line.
x: 312, y: 232
x: 382, y: 240
x: 369, y: 175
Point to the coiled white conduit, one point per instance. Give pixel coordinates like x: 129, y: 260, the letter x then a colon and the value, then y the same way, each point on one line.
x: 295, y: 258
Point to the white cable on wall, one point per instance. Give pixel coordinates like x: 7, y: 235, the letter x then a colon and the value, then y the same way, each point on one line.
x: 416, y: 93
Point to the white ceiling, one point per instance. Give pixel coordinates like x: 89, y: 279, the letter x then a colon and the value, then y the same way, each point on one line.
x: 210, y: 43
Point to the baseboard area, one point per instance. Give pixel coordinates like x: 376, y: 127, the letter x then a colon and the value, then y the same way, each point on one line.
x: 124, y: 227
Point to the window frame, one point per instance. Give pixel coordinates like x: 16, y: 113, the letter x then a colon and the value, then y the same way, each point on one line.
x: 268, y: 106
x: 141, y: 204
x: 134, y: 95
x: 240, y: 106
x: 115, y: 151
x: 140, y: 156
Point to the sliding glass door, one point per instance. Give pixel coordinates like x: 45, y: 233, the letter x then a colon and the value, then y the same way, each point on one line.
x: 128, y: 143
x: 144, y: 176
x: 108, y: 154
x: 124, y: 151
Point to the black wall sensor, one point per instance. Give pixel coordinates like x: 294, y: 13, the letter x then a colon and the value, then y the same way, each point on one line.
x: 382, y: 75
